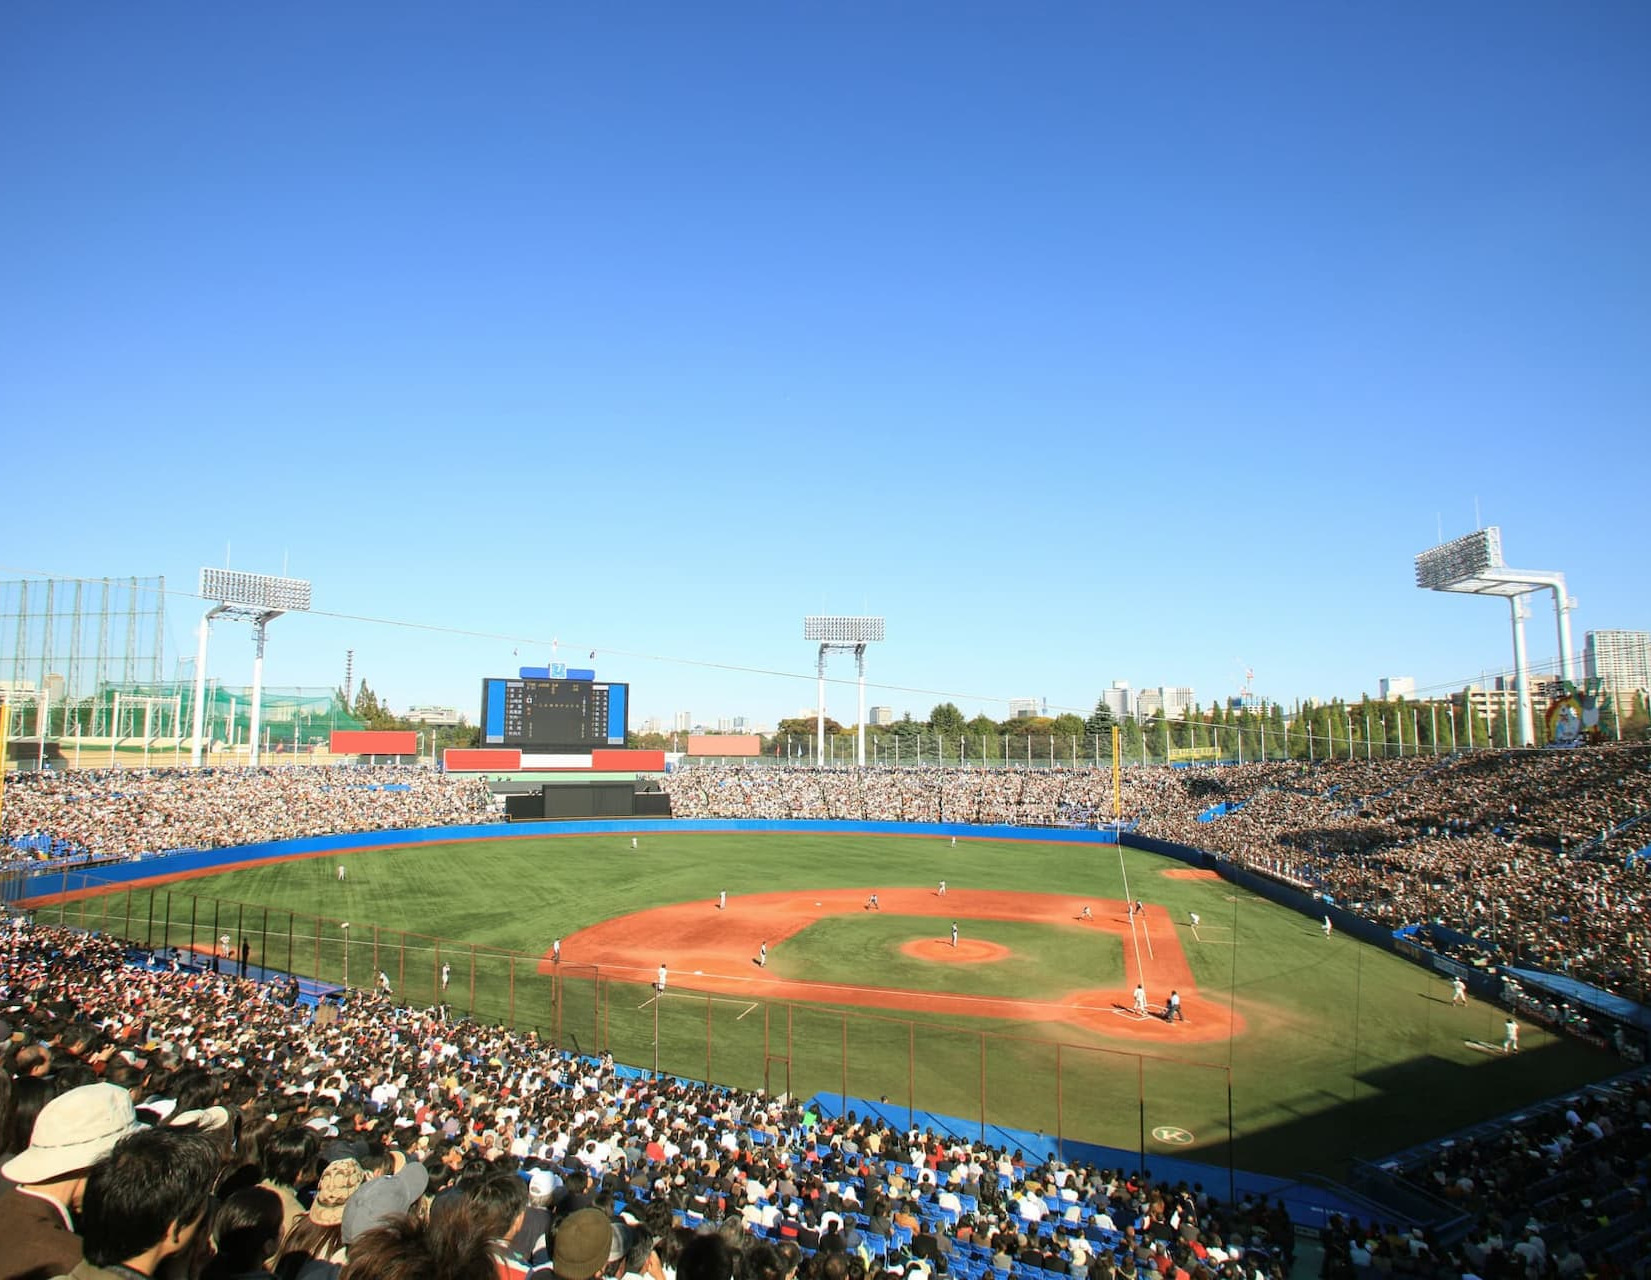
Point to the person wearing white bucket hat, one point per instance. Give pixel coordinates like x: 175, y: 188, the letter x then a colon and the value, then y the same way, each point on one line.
x: 71, y: 1134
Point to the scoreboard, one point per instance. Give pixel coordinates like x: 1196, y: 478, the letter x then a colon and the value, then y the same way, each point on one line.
x: 553, y: 717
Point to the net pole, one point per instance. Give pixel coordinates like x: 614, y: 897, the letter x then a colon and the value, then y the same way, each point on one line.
x: 1060, y: 1145
x: 982, y: 1036
x: 1141, y: 1103
x: 707, y: 1037
x: 511, y: 1019
x: 911, y: 1073
x: 1232, y: 1175
x: 845, y: 1062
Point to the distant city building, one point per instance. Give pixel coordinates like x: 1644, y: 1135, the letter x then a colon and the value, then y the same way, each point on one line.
x: 1174, y: 700
x: 437, y: 717
x: 684, y: 722
x: 1619, y: 660
x: 1391, y: 687
x: 880, y: 715
x: 1119, y: 700
x: 1499, y: 706
x: 651, y: 725
x: 1022, y: 708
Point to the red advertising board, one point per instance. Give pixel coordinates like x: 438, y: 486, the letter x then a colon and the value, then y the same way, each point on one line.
x: 724, y: 744
x: 374, y: 742
x: 616, y: 760
x: 476, y: 759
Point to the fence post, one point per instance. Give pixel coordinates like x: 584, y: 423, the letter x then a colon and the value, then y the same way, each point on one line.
x: 289, y: 942
x: 401, y: 965
x: 510, y: 1019
x: 707, y: 1037
x: 166, y: 926
x: 911, y: 1074
x: 845, y: 1064
x: 982, y: 1035
x: 472, y: 978
x: 128, y: 930
x: 263, y: 944
x: 1141, y: 1103
x: 376, y: 965
x: 316, y: 972
x: 194, y: 904
x: 1060, y: 1145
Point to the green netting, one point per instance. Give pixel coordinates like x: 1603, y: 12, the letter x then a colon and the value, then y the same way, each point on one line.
x: 167, y: 709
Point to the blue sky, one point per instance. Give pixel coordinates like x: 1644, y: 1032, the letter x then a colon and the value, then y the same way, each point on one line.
x: 1084, y: 341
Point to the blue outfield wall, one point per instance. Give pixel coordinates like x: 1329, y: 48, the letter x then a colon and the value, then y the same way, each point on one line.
x: 47, y: 884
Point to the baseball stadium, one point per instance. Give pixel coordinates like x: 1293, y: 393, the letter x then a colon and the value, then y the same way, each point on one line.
x: 1337, y: 984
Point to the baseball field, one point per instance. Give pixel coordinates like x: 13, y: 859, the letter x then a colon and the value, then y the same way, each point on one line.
x: 1295, y: 1050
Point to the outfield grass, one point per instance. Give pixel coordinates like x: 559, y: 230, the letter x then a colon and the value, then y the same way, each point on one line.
x: 1348, y: 1050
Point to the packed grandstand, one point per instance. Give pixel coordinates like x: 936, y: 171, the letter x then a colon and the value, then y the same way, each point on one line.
x: 1533, y: 856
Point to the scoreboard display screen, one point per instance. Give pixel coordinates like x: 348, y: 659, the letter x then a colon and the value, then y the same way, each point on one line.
x: 553, y: 717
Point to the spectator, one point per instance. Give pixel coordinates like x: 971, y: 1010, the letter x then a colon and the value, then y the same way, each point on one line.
x: 42, y: 1217
x: 147, y: 1202
x: 246, y: 1231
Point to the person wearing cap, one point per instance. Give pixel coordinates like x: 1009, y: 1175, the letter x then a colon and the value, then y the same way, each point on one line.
x: 532, y: 1239
x: 379, y: 1200
x: 71, y: 1134
x: 584, y: 1245
x: 319, y: 1234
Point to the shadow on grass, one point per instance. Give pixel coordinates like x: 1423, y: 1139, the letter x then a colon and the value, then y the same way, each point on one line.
x: 1400, y: 1105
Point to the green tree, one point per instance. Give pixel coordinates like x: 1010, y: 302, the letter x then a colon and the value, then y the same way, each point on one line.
x: 1066, y: 727
x: 946, y: 720
x: 984, y: 737
x: 1100, y: 720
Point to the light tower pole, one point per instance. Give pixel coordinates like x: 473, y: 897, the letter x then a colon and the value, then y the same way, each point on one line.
x: 1472, y: 565
x: 259, y: 599
x: 839, y: 634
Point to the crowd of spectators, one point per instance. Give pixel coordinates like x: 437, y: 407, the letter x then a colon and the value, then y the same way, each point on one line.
x: 323, y: 1135
x: 1532, y: 854
x: 1037, y: 797
x: 1562, y: 1193
x: 126, y: 813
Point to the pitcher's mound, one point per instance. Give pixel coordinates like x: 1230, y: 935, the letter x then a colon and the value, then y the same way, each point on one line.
x: 967, y: 950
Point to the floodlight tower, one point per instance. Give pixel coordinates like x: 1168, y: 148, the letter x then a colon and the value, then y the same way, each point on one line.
x: 842, y: 635
x: 257, y: 598
x: 1473, y: 565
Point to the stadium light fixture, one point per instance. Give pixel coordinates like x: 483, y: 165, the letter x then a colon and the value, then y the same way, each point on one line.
x: 1473, y: 565
x: 258, y: 598
x: 842, y: 634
